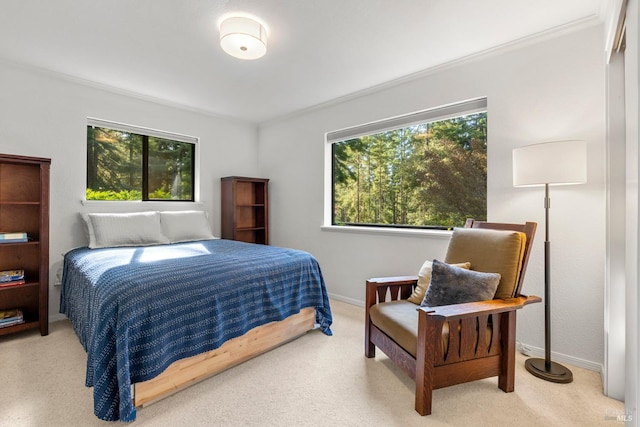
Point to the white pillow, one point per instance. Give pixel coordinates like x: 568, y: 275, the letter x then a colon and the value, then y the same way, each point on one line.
x: 125, y: 229
x: 89, y: 230
x: 185, y: 226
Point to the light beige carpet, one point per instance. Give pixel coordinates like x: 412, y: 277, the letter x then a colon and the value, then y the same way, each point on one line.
x: 312, y: 381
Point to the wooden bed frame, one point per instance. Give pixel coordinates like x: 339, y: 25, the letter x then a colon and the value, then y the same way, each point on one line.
x: 259, y: 340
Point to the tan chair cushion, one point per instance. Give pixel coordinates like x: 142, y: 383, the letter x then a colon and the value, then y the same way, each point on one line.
x: 424, y: 277
x: 399, y: 320
x: 491, y: 251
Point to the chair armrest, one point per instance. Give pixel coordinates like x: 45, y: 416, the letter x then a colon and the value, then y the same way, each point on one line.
x: 395, y: 280
x: 467, y: 319
x: 398, y: 287
x: 458, y: 311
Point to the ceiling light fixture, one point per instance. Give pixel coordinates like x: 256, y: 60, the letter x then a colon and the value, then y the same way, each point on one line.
x: 243, y: 37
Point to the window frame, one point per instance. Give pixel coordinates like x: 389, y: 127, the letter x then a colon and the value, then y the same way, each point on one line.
x: 146, y: 133
x: 448, y: 111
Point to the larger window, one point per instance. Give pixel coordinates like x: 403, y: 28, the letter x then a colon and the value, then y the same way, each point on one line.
x: 425, y: 170
x: 127, y: 163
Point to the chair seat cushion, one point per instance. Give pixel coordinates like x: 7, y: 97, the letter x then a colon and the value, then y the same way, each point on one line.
x: 399, y: 320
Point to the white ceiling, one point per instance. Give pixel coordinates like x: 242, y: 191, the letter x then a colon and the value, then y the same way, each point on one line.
x: 319, y: 50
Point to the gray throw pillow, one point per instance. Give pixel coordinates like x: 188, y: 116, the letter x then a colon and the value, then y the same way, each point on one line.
x: 455, y: 285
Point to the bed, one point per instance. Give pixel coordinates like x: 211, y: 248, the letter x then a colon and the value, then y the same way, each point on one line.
x: 144, y: 313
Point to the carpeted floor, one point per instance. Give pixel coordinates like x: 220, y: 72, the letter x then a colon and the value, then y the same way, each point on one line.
x: 312, y: 381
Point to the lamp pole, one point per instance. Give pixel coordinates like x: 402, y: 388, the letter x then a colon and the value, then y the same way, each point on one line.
x: 547, y: 282
x: 545, y: 368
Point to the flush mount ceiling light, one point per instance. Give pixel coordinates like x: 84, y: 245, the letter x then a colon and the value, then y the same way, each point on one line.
x: 243, y: 37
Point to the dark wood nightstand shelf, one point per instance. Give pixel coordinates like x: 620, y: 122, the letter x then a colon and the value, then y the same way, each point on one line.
x: 245, y: 209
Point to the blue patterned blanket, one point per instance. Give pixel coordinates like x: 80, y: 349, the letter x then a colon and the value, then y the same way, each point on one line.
x: 136, y: 310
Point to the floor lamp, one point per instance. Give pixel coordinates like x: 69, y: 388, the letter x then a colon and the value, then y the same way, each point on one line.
x: 549, y: 163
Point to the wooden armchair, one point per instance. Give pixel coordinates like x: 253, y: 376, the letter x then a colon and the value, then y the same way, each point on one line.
x: 447, y: 345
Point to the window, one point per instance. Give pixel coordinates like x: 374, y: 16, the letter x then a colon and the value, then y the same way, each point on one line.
x: 424, y: 170
x: 129, y: 163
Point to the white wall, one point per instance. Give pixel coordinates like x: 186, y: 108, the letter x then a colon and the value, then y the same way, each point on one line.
x: 44, y: 115
x: 547, y: 89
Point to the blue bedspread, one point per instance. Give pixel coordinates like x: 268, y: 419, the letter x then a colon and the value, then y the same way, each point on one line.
x: 136, y: 310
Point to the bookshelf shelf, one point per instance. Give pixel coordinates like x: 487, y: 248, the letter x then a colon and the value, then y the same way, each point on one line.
x: 33, y: 242
x: 24, y: 285
x: 19, y: 203
x: 24, y: 207
x: 28, y: 324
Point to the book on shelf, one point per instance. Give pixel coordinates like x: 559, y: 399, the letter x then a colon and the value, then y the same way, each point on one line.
x: 12, y: 283
x: 11, y: 323
x: 11, y: 317
x: 10, y: 313
x: 11, y: 275
x: 13, y: 237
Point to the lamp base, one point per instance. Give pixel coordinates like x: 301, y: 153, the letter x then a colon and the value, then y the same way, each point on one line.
x: 555, y: 372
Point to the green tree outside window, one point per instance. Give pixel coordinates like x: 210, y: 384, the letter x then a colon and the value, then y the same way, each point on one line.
x: 128, y: 166
x: 426, y: 175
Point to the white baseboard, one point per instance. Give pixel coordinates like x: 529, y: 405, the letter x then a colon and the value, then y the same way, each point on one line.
x: 56, y: 317
x: 347, y: 300
x: 529, y: 350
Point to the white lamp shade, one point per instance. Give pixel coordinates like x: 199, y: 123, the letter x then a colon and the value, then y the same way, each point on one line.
x: 553, y: 163
x: 243, y: 38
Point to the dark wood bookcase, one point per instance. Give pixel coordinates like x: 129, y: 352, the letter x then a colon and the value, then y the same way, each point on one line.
x: 245, y: 209
x: 24, y: 207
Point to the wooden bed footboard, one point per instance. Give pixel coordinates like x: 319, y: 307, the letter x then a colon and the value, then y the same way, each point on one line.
x: 259, y: 340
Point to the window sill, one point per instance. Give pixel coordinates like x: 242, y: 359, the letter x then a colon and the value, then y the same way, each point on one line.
x: 149, y: 203
x: 440, y: 234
